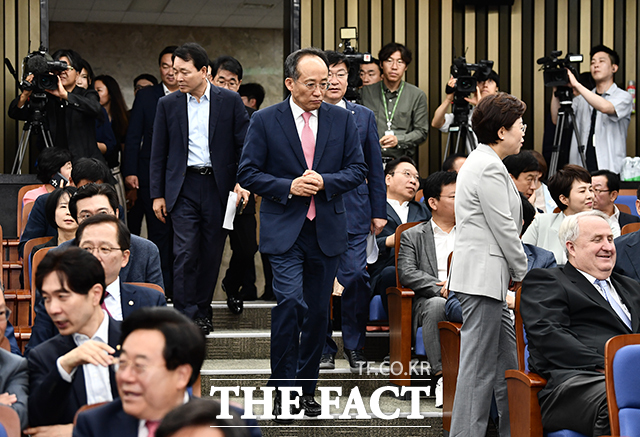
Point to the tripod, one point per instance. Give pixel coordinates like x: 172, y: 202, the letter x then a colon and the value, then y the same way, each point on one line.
x: 461, y: 128
x: 565, y: 112
x: 36, y: 105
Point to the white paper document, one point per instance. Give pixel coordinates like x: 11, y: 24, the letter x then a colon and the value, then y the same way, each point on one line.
x: 230, y: 214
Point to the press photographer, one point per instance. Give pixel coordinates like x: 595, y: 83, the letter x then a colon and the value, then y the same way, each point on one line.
x: 602, y: 115
x: 66, y: 111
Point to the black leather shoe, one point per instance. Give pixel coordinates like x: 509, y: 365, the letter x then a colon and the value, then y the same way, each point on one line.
x: 357, y: 361
x: 277, y: 410
x: 204, y: 324
x: 310, y: 406
x: 327, y: 361
x: 234, y: 300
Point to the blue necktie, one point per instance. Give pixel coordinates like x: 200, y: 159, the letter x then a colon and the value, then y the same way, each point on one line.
x: 616, y: 307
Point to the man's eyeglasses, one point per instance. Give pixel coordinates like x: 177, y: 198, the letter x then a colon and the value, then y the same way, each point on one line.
x: 103, y: 250
x: 407, y: 174
x: 312, y: 86
x: 398, y: 62
x: 598, y: 190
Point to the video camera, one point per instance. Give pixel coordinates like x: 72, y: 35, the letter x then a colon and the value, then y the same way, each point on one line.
x: 555, y: 69
x: 355, y: 59
x: 44, y: 70
x: 466, y: 83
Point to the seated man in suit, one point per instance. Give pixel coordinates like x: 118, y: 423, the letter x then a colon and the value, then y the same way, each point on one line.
x: 73, y: 368
x: 569, y: 313
x: 14, y: 380
x: 524, y: 170
x: 143, y: 261
x: 403, y: 180
x: 199, y: 419
x: 628, y: 259
x: 422, y: 264
x: 606, y: 186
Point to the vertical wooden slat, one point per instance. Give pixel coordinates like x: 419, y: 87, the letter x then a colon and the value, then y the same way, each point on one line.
x: 399, y: 34
x: 306, y: 17
x: 23, y: 35
x: 339, y: 19
x: 585, y: 28
x: 446, y: 44
x: 352, y: 13
x: 493, y: 37
x: 412, y: 42
x: 317, y: 28
x: 364, y: 35
x: 330, y: 27
x: 607, y: 23
x: 376, y: 27
x: 469, y: 34
x: 9, y: 85
x: 516, y: 48
x: 538, y: 84
x: 34, y: 24
x: 631, y: 69
x: 424, y: 62
x: 388, y: 24
x: 562, y: 32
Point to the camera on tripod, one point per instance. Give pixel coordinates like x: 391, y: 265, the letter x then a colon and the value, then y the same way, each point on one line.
x: 355, y: 59
x: 44, y: 70
x: 465, y: 82
x: 555, y: 68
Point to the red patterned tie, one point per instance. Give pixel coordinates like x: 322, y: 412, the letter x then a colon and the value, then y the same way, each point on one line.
x: 309, y: 148
x: 103, y: 305
x: 152, y: 426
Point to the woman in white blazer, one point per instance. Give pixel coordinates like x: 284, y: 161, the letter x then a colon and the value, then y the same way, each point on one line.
x: 487, y: 254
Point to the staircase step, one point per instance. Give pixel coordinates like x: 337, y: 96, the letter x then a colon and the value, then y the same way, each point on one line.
x: 255, y: 344
x: 256, y: 315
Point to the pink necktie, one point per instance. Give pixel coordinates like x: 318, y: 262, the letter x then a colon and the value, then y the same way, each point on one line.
x: 309, y: 148
x: 152, y: 426
x: 103, y: 305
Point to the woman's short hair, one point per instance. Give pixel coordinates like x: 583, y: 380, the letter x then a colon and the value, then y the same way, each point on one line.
x: 493, y: 112
x: 560, y: 183
x: 51, y: 204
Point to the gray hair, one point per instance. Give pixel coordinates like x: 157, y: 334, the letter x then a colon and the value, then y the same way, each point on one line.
x: 570, y: 229
x: 291, y: 63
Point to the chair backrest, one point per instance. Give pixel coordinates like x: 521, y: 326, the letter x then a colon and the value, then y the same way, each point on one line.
x: 623, y: 207
x: 37, y: 257
x: 419, y: 195
x: 10, y: 420
x: 399, y: 230
x: 621, y: 355
x: 521, y: 336
x: 148, y: 285
x: 85, y: 408
x: 631, y: 227
x: 21, y: 192
x: 24, y: 217
x: 28, y: 247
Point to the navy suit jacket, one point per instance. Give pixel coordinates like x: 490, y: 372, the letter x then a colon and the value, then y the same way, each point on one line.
x: 628, y: 255
x: 625, y: 219
x: 52, y: 400
x: 539, y: 258
x: 272, y: 158
x: 369, y: 199
x: 140, y: 130
x: 132, y: 297
x: 228, y: 121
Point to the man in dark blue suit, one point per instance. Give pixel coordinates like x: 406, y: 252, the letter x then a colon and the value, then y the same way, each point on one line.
x: 73, y: 368
x: 366, y: 213
x: 301, y: 156
x: 135, y: 164
x: 197, y: 139
x: 628, y: 249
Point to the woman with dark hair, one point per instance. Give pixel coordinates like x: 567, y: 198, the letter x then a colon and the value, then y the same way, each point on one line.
x: 118, y: 118
x: 487, y: 254
x: 53, y: 166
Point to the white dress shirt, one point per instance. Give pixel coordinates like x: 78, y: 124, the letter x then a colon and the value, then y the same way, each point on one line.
x: 444, y: 246
x: 401, y: 209
x: 96, y: 378
x: 592, y: 280
x: 614, y: 223
x: 113, y: 300
x: 165, y: 89
x: 297, y: 117
x: 198, y: 116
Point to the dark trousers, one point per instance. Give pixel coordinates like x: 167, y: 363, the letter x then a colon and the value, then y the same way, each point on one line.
x: 386, y: 279
x: 352, y: 274
x: 302, y: 283
x: 242, y: 270
x: 198, y: 244
x: 578, y: 404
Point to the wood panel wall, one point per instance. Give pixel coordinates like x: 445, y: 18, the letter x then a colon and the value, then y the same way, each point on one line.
x: 514, y: 37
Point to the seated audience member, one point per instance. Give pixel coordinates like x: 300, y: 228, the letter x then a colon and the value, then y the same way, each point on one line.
x: 571, y: 189
x: 50, y: 162
x: 606, y: 187
x: 84, y: 171
x: 543, y: 201
x: 14, y: 380
x: 422, y: 265
x: 453, y: 162
x: 252, y: 95
x: 627, y: 247
x: 569, y: 314
x: 370, y: 72
x: 200, y: 419
x: 56, y: 211
x: 402, y: 179
x: 524, y: 170
x: 74, y: 367
x: 143, y: 80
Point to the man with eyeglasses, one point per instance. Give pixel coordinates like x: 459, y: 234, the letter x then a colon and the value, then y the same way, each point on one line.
x: 606, y: 187
x: 301, y: 156
x: 366, y: 213
x: 74, y: 367
x: 400, y: 107
x: 403, y: 181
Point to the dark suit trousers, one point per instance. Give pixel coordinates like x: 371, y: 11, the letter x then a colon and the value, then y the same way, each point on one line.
x: 578, y: 404
x: 198, y: 243
x: 242, y: 268
x: 302, y: 283
x: 352, y: 274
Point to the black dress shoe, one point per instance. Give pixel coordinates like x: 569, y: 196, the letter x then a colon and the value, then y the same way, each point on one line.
x: 310, y: 406
x: 204, y: 324
x: 277, y: 410
x: 234, y: 300
x: 327, y: 361
x: 357, y: 361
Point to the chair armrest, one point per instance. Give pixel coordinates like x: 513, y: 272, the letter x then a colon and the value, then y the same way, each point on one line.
x: 400, y: 303
x: 528, y: 378
x: 524, y: 408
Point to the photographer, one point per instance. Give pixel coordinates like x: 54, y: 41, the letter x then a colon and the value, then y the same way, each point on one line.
x: 443, y: 120
x: 70, y: 111
x: 602, y: 115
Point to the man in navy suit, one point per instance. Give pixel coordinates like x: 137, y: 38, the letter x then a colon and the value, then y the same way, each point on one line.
x: 73, y: 368
x: 135, y: 164
x: 301, y: 156
x: 366, y: 213
x: 197, y: 139
x: 628, y: 248
x: 606, y: 187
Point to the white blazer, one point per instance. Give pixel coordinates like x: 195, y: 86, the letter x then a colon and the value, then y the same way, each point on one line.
x: 487, y: 249
x: 543, y: 232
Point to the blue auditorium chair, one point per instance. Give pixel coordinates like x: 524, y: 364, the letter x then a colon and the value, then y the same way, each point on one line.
x: 622, y: 354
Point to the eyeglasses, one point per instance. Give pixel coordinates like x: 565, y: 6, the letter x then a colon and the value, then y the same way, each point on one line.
x: 398, y: 62
x: 137, y: 368
x: 5, y: 315
x: 312, y: 86
x: 598, y: 191
x: 222, y: 82
x: 103, y: 250
x: 407, y: 174
x: 339, y: 76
